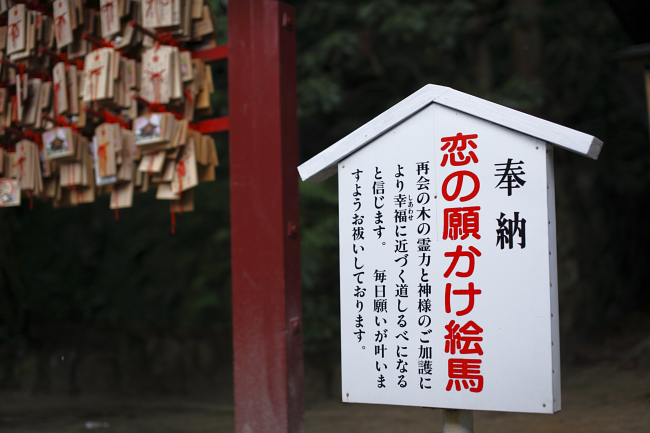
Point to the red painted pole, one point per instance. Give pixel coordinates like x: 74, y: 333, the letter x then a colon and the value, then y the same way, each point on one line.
x: 267, y: 317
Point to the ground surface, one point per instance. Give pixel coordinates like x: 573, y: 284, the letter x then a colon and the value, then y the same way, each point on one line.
x: 596, y: 399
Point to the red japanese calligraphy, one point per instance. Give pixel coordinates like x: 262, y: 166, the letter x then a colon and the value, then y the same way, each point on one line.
x: 470, y: 292
x: 467, y: 372
x: 467, y: 335
x: 460, y: 176
x: 461, y: 222
x: 471, y: 254
x: 455, y: 146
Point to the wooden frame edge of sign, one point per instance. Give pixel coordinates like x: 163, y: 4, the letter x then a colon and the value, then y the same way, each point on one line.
x: 324, y: 165
x: 552, y: 133
x: 553, y: 277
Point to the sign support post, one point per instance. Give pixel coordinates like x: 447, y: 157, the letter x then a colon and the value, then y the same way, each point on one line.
x: 266, y: 300
x: 457, y: 421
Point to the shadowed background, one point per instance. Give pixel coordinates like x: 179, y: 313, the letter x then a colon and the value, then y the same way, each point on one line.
x: 91, y: 305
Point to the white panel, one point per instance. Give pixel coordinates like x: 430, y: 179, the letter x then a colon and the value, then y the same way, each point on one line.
x: 514, y: 306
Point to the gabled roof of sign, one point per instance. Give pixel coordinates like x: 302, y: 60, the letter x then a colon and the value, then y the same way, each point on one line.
x: 324, y: 165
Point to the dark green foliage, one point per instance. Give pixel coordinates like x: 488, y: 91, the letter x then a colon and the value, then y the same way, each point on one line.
x: 69, y: 271
x: 358, y: 58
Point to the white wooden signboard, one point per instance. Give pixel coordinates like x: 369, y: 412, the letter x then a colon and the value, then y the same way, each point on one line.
x: 447, y: 255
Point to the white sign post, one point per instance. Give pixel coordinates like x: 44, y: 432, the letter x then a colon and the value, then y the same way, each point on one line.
x: 448, y: 256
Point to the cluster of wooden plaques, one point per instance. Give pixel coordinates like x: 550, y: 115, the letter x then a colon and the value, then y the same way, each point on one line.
x: 99, y: 97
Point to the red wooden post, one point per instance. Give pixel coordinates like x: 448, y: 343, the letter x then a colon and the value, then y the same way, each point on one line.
x: 267, y: 317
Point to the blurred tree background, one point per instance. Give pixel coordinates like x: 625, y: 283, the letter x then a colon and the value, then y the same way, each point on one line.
x: 90, y: 304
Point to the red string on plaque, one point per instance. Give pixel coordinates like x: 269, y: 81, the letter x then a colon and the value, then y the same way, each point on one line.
x: 59, y: 22
x: 180, y: 170
x: 108, y: 10
x: 14, y: 31
x: 19, y: 163
x: 156, y: 5
x: 56, y: 89
x: 94, y: 82
x: 156, y: 80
